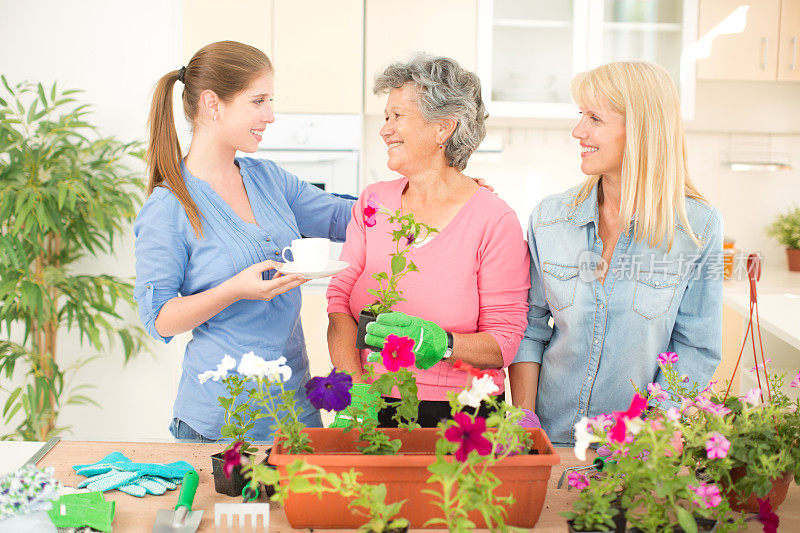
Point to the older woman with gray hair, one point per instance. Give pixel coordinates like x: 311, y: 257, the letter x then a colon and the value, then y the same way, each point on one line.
x: 468, y: 301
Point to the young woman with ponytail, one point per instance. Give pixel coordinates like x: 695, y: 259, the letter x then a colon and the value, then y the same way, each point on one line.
x: 209, y: 235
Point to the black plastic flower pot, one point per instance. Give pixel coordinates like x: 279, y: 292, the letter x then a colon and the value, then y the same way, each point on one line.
x: 234, y: 485
x: 364, y: 318
x: 704, y: 525
x: 571, y: 529
x: 392, y: 530
x: 229, y: 486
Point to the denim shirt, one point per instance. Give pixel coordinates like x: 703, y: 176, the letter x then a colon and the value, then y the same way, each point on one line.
x: 171, y: 260
x: 605, y: 336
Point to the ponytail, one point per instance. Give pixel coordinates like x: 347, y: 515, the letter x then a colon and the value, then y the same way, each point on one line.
x: 225, y: 67
x: 164, y: 151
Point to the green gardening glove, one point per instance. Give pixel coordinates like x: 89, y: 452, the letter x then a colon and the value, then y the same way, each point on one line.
x: 361, y: 399
x: 430, y: 341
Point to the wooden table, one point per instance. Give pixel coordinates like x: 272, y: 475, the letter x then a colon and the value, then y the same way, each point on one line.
x: 138, y: 514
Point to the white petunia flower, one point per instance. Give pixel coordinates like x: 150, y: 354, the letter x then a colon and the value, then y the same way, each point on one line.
x: 227, y: 363
x: 479, y: 391
x: 583, y: 437
x: 252, y: 365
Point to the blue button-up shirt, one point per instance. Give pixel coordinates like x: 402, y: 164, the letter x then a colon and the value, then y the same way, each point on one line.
x: 171, y: 260
x: 603, y: 336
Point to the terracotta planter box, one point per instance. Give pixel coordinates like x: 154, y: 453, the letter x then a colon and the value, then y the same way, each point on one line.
x: 776, y: 495
x: 405, y: 476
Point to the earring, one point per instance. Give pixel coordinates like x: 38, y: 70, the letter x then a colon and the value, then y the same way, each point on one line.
x: 214, y: 118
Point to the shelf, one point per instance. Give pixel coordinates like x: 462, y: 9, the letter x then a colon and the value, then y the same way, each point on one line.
x: 643, y: 26
x: 530, y: 23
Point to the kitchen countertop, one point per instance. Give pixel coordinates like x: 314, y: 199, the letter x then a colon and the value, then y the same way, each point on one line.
x: 778, y: 302
x: 137, y: 514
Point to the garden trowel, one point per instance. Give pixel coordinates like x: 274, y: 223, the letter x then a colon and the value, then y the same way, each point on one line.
x: 182, y: 519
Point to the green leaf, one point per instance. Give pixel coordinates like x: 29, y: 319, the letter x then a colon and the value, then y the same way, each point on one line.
x: 5, y: 82
x: 686, y: 520
x: 398, y: 264
x: 11, y: 399
x: 42, y: 97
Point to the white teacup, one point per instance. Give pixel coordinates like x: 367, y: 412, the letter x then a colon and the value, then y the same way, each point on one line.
x: 309, y: 254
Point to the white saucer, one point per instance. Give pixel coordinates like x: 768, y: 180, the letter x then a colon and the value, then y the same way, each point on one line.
x: 333, y: 267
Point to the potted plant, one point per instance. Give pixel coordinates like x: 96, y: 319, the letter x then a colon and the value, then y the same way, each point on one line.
x: 761, y: 442
x: 249, y: 399
x: 405, y: 458
x: 749, y: 445
x: 786, y: 230
x: 66, y: 192
x: 595, y: 510
x: 647, y: 467
x: 387, y: 293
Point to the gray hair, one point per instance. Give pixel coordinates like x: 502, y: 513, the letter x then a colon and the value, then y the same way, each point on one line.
x: 445, y: 91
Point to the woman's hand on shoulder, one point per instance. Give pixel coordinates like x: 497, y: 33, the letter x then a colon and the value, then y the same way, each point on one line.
x: 250, y: 285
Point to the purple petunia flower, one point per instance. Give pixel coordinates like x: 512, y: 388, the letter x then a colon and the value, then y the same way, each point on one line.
x: 767, y: 517
x: 470, y: 435
x: 331, y: 392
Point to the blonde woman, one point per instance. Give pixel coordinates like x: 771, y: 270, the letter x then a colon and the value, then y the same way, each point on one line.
x: 628, y: 264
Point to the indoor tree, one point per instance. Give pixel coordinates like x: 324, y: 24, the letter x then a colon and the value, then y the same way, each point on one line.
x: 66, y: 193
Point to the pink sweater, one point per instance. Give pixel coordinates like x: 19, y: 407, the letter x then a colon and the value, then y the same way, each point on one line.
x: 474, y: 277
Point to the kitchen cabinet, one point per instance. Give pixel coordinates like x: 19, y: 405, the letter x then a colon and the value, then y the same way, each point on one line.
x: 528, y: 52
x: 208, y: 21
x: 394, y: 30
x: 318, y: 50
x: 766, y: 50
x: 789, y: 48
x: 316, y: 46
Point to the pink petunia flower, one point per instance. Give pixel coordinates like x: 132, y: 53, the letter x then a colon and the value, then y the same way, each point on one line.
x: 577, y: 480
x: 761, y: 366
x: 657, y: 393
x: 371, y: 210
x: 470, y: 436
x: 602, y: 421
x: 619, y: 431
x: 673, y: 415
x: 676, y: 442
x: 708, y: 493
x: 710, y: 386
x: 753, y: 396
x: 717, y: 446
x: 233, y: 458
x: 667, y: 358
x: 714, y: 408
x: 397, y: 352
x: 796, y: 381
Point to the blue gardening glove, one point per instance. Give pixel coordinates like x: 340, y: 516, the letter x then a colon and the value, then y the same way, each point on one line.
x: 360, y: 398
x: 430, y: 341
x: 115, y: 471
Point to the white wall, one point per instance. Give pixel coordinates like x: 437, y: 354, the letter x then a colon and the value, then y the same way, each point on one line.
x: 115, y: 51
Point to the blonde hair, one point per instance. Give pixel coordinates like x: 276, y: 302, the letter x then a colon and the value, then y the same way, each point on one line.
x: 225, y: 67
x: 655, y: 177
